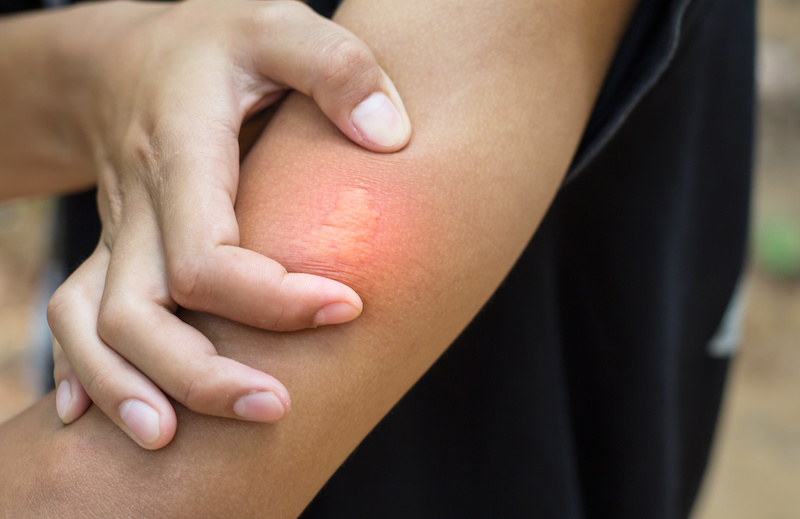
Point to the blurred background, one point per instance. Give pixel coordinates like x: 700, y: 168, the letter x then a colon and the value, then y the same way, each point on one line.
x: 755, y: 468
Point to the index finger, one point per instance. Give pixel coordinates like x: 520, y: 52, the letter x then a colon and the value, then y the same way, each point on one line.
x: 209, y: 272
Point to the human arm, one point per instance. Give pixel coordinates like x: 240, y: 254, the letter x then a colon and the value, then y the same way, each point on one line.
x: 147, y: 99
x: 428, y: 234
x: 66, y: 75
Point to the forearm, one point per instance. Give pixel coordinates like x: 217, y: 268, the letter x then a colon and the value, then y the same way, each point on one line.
x: 48, y: 94
x: 424, y: 236
x: 41, y: 148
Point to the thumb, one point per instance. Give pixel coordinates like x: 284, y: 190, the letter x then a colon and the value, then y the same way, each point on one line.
x: 321, y: 59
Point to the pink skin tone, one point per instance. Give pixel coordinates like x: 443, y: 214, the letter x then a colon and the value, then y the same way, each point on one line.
x: 337, y: 224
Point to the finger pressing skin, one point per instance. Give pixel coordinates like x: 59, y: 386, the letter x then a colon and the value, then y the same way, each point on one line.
x: 206, y: 269
x: 136, y: 319
x: 124, y: 394
x: 292, y: 45
x: 247, y: 287
x: 71, y: 399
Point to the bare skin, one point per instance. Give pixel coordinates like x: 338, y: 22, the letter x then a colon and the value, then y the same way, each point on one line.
x: 145, y: 100
x: 424, y: 236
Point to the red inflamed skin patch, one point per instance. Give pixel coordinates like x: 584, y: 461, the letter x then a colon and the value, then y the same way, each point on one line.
x: 319, y: 204
x: 348, y: 232
x: 341, y: 225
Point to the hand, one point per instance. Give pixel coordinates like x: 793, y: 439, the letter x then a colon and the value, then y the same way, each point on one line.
x: 162, y: 93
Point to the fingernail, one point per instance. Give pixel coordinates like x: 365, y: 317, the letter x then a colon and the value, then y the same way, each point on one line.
x: 336, y: 313
x: 379, y: 121
x: 63, y: 399
x: 142, y: 420
x: 264, y: 406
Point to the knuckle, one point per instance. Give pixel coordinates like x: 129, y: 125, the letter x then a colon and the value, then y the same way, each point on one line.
x: 56, y: 307
x: 346, y: 67
x: 60, y: 303
x: 114, y: 318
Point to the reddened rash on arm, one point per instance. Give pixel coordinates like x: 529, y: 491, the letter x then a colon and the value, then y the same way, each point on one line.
x: 387, y: 225
x: 353, y: 217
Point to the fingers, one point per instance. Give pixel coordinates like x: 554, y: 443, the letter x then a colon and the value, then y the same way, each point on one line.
x: 296, y: 47
x: 206, y: 269
x: 151, y: 346
x: 71, y: 399
x: 121, y: 299
x: 136, y: 318
x: 247, y: 287
x: 189, y: 169
x: 124, y: 394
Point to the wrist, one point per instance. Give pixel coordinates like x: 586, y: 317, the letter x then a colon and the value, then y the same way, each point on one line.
x: 86, y: 73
